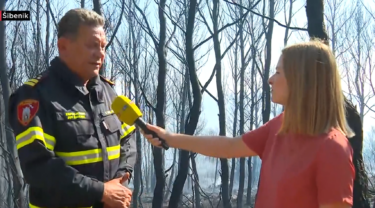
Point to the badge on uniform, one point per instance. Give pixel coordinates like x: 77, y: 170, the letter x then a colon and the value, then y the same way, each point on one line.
x: 26, y: 111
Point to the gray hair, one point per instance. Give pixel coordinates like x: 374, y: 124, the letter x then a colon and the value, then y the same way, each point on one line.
x: 70, y: 23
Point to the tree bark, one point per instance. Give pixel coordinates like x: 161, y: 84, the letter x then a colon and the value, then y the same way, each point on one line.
x: 193, y: 117
x: 98, y: 9
x: 38, y: 39
x: 97, y: 6
x: 266, y: 87
x: 316, y: 29
x: 221, y: 103
x: 47, y: 33
x: 197, y: 196
x: 252, y: 106
x: 234, y: 133
x: 315, y: 20
x: 11, y: 153
x: 158, y: 153
x: 134, y: 68
x: 241, y: 183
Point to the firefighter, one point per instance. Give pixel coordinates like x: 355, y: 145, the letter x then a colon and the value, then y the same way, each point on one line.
x: 73, y: 150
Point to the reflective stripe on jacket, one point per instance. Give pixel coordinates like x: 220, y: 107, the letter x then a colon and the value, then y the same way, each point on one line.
x: 69, y: 141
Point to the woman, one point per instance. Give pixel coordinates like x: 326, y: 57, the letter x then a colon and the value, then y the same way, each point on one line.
x: 306, y: 158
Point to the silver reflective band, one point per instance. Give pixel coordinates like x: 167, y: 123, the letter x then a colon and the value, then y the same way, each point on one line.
x: 35, y: 133
x: 89, y: 156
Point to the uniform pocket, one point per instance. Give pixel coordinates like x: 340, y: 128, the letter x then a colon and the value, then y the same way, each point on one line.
x: 75, y: 128
x: 110, y: 125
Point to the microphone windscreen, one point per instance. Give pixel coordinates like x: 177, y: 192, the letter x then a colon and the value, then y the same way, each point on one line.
x: 126, y: 110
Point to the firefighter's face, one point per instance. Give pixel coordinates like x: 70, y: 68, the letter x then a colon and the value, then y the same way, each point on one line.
x: 87, y: 51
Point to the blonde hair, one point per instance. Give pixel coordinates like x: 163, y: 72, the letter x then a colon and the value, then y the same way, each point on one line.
x: 315, y: 102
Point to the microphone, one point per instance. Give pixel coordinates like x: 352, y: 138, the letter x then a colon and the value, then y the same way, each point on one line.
x: 128, y: 112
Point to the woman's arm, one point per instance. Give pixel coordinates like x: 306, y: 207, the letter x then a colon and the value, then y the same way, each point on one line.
x: 250, y: 144
x: 212, y: 146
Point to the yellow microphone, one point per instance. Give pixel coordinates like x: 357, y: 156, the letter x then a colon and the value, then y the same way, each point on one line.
x: 128, y: 112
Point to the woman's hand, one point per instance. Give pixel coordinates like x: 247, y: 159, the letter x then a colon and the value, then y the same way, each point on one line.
x: 162, y: 133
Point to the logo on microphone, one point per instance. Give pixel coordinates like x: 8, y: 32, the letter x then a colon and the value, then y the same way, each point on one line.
x: 124, y: 107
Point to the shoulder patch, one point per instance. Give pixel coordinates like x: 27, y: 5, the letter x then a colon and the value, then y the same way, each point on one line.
x: 34, y: 81
x: 26, y: 111
x: 107, y: 80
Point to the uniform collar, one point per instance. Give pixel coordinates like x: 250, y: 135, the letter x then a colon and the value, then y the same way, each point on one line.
x: 70, y: 78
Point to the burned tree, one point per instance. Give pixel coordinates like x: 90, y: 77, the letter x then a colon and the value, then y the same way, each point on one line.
x: 316, y: 29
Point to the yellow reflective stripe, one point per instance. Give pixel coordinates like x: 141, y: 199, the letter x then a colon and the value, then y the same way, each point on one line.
x: 33, y: 206
x: 113, y: 152
x: 75, y: 115
x: 106, y: 113
x: 31, y: 82
x: 126, y: 129
x: 50, y: 141
x: 33, y: 133
x: 88, y: 156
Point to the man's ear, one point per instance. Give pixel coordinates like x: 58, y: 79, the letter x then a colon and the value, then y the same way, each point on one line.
x: 62, y: 44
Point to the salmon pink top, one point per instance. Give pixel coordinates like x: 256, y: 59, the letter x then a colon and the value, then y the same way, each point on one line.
x: 301, y: 171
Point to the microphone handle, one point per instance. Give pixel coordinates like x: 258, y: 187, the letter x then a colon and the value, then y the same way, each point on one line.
x: 139, y: 122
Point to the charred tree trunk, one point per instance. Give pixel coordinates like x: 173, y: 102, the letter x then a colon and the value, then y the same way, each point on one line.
x: 171, y: 177
x: 38, y: 39
x: 47, y: 33
x: 253, y: 95
x: 235, y: 117
x: 134, y: 67
x: 184, y: 95
x: 98, y: 9
x: 97, y: 6
x: 158, y: 153
x: 11, y: 153
x: 221, y: 103
x: 266, y: 101
x: 137, y: 170
x: 194, y: 114
x: 231, y: 182
x: 241, y: 182
x: 316, y: 29
x: 289, y: 21
x: 197, y: 194
x: 315, y: 20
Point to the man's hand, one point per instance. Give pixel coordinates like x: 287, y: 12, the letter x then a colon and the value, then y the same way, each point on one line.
x: 124, y: 178
x: 115, y: 194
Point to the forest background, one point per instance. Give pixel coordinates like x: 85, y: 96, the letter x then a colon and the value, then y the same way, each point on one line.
x: 197, y: 67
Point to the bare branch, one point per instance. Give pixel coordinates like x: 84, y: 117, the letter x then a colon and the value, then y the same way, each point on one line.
x: 279, y: 23
x: 117, y: 26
